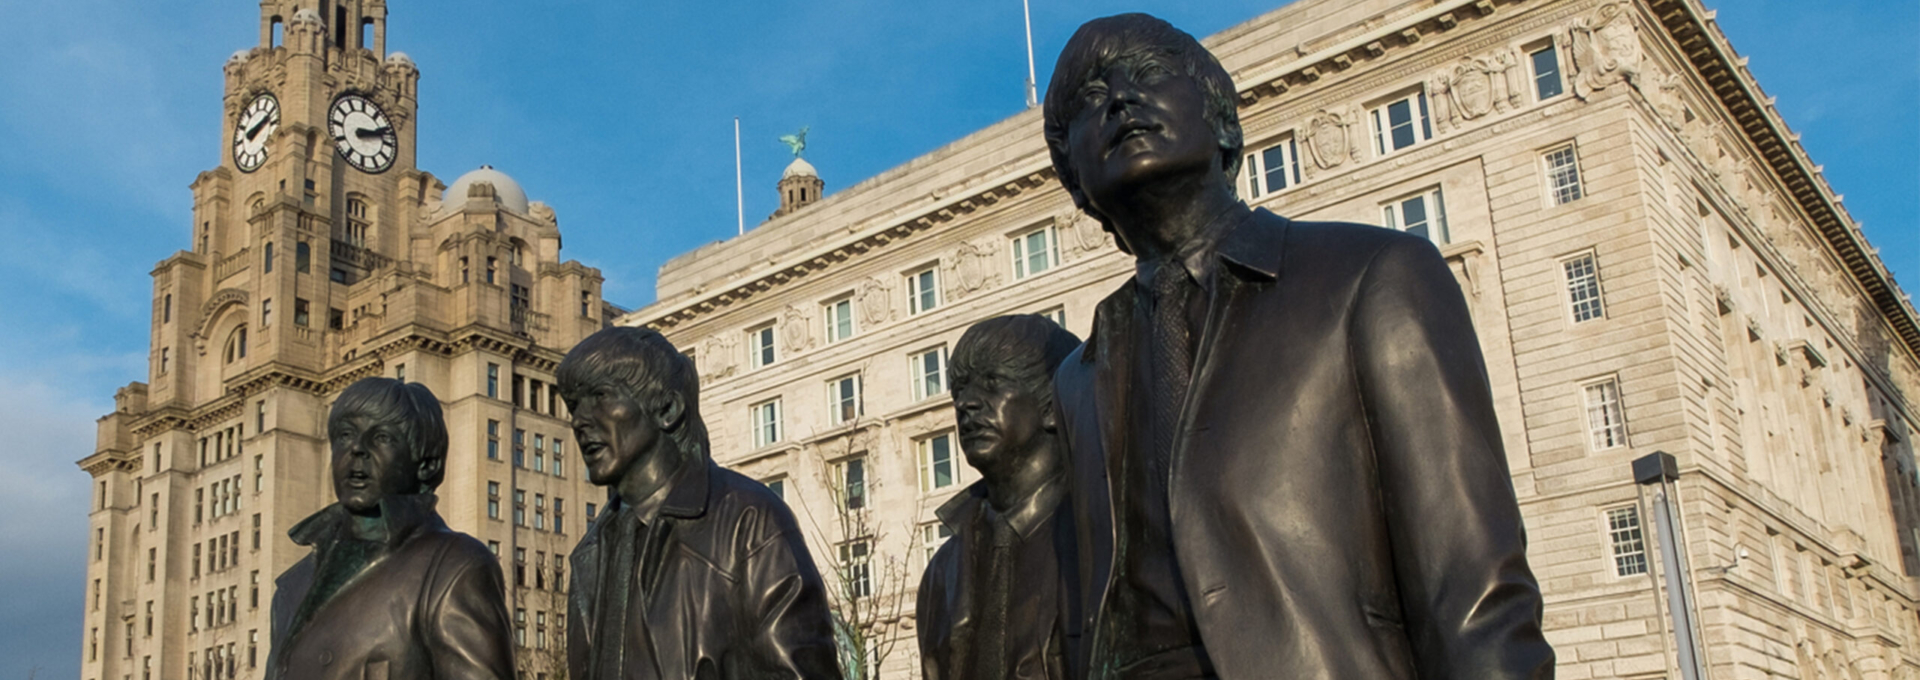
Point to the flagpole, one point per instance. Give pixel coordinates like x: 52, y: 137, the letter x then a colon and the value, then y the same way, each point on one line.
x: 739, y: 190
x: 1033, y: 93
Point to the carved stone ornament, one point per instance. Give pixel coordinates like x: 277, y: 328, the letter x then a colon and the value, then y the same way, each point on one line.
x: 971, y: 268
x: 1081, y: 232
x: 794, y: 329
x: 875, y: 301
x: 1606, y: 49
x: 717, y: 356
x: 1475, y: 87
x: 1329, y: 139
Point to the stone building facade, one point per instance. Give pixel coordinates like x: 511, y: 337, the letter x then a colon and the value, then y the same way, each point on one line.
x: 1653, y: 264
x: 315, y: 262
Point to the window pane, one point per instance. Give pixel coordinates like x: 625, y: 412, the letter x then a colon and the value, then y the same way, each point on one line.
x: 1546, y: 73
x: 1563, y: 175
x: 1413, y: 213
x: 1253, y: 176
x: 941, y: 452
x: 1629, y: 548
x: 1276, y: 167
x: 1583, y: 289
x: 1400, y: 120
x: 1037, y: 252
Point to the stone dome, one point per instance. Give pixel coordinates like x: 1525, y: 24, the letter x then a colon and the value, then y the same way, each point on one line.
x: 239, y: 56
x: 505, y: 190
x: 799, y: 168
x: 399, y: 58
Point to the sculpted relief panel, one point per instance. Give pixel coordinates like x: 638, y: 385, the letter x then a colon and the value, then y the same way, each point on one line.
x: 875, y: 302
x: 1605, y: 47
x: 972, y: 267
x: 1080, y: 232
x: 795, y: 330
x: 1329, y: 140
x: 1475, y: 87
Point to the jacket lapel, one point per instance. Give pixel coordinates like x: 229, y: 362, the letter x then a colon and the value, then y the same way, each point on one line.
x: 1250, y: 258
x: 587, y: 579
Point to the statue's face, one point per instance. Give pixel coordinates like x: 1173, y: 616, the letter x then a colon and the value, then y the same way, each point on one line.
x: 613, y: 429
x: 997, y: 420
x: 371, y: 460
x: 1141, y: 120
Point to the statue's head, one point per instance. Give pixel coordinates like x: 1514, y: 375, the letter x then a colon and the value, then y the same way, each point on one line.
x: 1132, y: 99
x: 388, y: 438
x: 1002, y: 384
x: 632, y: 396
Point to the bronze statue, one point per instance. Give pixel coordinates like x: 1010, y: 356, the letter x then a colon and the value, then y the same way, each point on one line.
x: 389, y: 591
x: 693, y: 570
x: 993, y: 602
x: 1285, y: 460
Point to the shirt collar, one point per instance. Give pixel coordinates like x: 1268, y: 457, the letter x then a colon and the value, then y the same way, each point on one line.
x: 1026, y: 515
x: 683, y: 497
x: 1197, y: 253
x: 401, y: 516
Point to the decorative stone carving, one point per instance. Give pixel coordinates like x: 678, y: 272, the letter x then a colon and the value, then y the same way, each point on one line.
x: 875, y: 301
x: 717, y: 358
x: 1329, y: 139
x: 971, y: 268
x: 1476, y: 86
x: 1605, y: 47
x: 1080, y: 232
x: 796, y: 329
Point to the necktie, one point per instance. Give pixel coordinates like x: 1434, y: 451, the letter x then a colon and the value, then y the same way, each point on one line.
x: 1172, y: 356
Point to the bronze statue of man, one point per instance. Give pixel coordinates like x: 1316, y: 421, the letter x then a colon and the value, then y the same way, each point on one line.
x: 994, y: 601
x: 1285, y: 459
x: 693, y: 570
x: 389, y: 591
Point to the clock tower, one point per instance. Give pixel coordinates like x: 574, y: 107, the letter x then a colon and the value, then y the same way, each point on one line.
x: 319, y: 254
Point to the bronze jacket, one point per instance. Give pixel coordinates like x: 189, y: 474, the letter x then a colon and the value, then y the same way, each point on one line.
x: 1340, y: 500
x: 1041, y: 623
x: 432, y: 605
x: 733, y: 592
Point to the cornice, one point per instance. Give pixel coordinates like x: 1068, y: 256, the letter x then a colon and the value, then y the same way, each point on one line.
x: 796, y: 268
x: 1753, y: 114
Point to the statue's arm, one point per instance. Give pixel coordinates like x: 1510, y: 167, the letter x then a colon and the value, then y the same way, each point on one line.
x: 466, y: 629
x: 1472, y: 606
x: 790, y: 602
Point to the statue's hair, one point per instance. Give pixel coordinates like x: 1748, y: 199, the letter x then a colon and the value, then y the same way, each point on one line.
x: 1125, y: 39
x: 1023, y: 349
x: 642, y: 364
x: 411, y: 407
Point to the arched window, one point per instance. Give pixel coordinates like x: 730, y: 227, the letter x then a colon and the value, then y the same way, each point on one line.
x: 236, y: 345
x: 302, y: 257
x: 366, y: 33
x: 275, y: 33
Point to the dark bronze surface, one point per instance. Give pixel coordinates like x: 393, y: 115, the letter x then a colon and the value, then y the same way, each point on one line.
x: 1337, y: 493
x: 389, y: 591
x: 994, y: 601
x: 693, y: 570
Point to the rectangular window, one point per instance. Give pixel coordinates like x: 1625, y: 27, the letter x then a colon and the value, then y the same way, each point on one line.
x: 519, y: 508
x: 778, y: 487
x: 492, y: 265
x: 1546, y: 72
x: 923, y: 290
x: 300, y: 314
x: 256, y: 531
x: 400, y: 372
x: 336, y: 319
x: 932, y: 536
x: 1629, y: 550
x: 540, y: 511
x: 520, y: 448
x: 857, y: 565
x: 166, y: 309
x: 853, y: 483
x: 1058, y: 315
x: 559, y: 516
x: 559, y: 452
x: 1583, y: 288
x: 1563, y: 175
x: 1423, y: 214
x: 766, y: 423
x: 843, y: 399
x: 266, y: 312
x: 839, y: 317
x: 760, y: 346
x: 1401, y: 123
x: 153, y: 563
x: 1272, y: 169
x: 519, y: 622
x: 539, y: 452
x: 591, y: 511
x: 929, y: 373
x: 166, y: 357
x: 493, y: 500
x: 1606, y: 417
x: 493, y: 440
x: 1034, y: 252
x: 493, y: 381
x: 936, y: 462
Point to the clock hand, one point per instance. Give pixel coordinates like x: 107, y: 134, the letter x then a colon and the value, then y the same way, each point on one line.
x: 367, y: 133
x: 255, y: 130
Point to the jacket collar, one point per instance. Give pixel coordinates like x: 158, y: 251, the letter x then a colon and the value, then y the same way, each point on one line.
x: 685, y: 495
x: 1254, y: 247
x: 972, y: 502
x: 401, y: 517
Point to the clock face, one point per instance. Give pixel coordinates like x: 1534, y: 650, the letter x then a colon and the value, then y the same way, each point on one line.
x: 256, y: 125
x: 362, y: 133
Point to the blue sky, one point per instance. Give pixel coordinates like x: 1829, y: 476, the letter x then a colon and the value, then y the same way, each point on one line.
x: 618, y: 114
